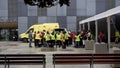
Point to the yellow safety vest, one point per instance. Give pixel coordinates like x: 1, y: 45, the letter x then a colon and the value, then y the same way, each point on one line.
x: 47, y: 38
x: 63, y: 38
x: 58, y: 37
x: 37, y: 36
x: 52, y: 37
x: 77, y: 38
x: 66, y: 36
x: 91, y: 36
x: 116, y: 33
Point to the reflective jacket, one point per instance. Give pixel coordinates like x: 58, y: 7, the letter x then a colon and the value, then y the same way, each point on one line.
x: 117, y: 34
x: 77, y: 38
x: 58, y: 37
x: 47, y: 37
x: 52, y: 37
x: 67, y: 36
x: 37, y: 36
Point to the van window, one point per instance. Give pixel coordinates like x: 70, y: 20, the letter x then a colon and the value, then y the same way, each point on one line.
x: 59, y: 30
x: 29, y: 30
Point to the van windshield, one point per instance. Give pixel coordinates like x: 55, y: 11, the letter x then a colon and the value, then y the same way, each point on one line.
x: 29, y: 30
x: 59, y: 30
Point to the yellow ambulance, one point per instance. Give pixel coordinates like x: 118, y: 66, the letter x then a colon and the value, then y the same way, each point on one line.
x: 38, y: 27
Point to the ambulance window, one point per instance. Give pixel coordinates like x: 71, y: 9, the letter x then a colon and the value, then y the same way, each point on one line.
x: 29, y: 30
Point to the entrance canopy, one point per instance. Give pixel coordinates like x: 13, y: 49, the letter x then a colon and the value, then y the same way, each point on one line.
x: 102, y: 15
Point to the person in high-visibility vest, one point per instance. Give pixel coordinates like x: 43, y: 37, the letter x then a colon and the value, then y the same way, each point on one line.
x: 77, y: 40
x: 47, y: 39
x: 52, y: 39
x: 89, y: 35
x: 63, y: 40
x: 37, y: 38
x: 58, y: 39
x: 66, y: 38
x: 43, y: 39
x: 117, y: 36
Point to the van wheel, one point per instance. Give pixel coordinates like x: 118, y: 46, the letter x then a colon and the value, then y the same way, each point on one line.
x: 25, y: 40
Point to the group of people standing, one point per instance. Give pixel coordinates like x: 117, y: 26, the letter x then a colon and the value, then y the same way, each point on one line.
x: 79, y: 38
x: 63, y: 38
x: 116, y: 37
x: 47, y: 39
x: 59, y: 38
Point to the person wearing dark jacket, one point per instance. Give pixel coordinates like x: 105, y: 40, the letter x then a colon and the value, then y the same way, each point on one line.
x: 30, y: 38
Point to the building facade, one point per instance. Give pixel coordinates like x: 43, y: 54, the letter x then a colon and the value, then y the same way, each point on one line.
x: 67, y: 16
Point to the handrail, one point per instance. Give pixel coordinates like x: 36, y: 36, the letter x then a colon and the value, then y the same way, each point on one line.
x: 86, y: 59
x: 23, y: 59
